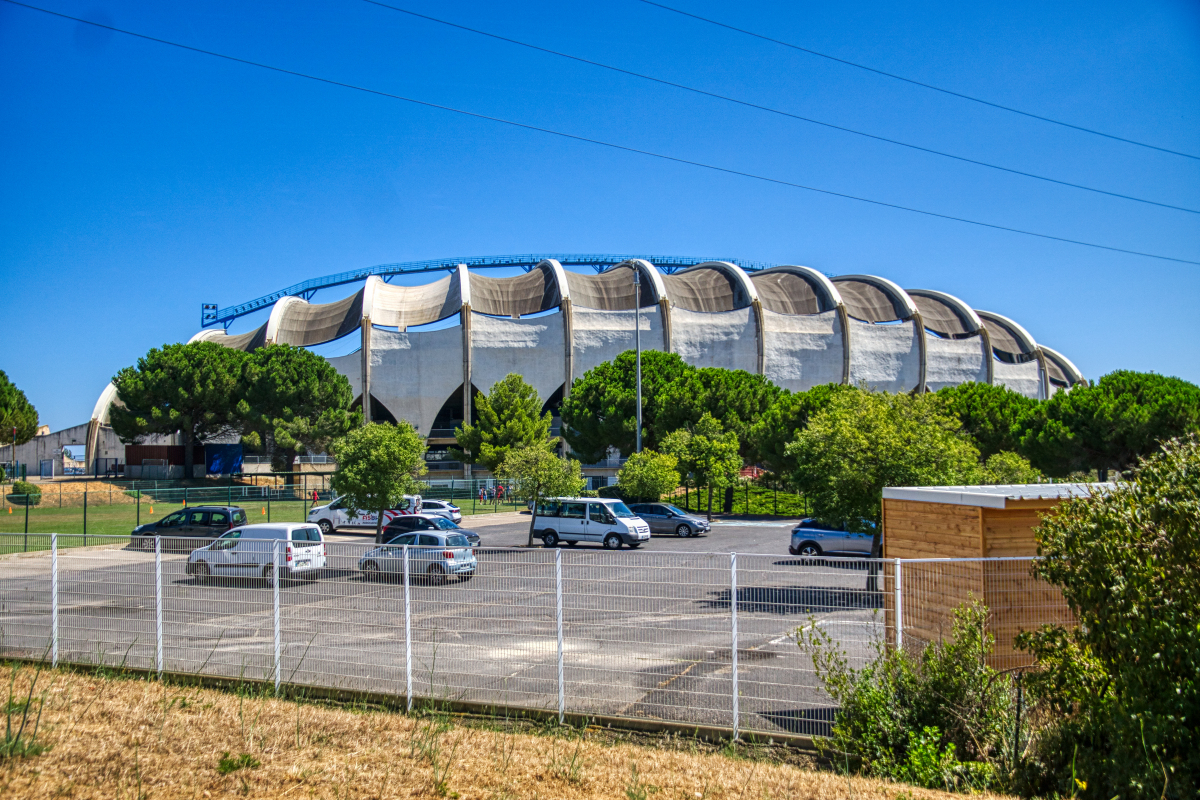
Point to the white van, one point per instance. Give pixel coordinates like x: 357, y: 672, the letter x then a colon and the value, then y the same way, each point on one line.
x: 336, y: 515
x: 249, y: 552
x: 589, y: 519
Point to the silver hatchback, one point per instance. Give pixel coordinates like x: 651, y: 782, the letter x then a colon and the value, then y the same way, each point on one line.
x: 813, y: 538
x: 434, y: 556
x: 666, y: 518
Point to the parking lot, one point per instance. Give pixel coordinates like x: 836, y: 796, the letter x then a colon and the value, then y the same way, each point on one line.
x: 646, y: 633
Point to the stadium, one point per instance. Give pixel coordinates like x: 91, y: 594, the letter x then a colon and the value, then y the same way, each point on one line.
x: 425, y: 350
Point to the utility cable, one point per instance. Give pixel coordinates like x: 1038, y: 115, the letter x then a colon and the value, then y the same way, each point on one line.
x: 923, y: 85
x: 600, y: 142
x: 771, y: 110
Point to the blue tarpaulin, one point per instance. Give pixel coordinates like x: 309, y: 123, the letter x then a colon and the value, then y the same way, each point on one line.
x: 222, y: 459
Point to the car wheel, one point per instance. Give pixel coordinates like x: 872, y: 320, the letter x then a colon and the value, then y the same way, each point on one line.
x: 550, y: 539
x: 436, y: 574
x: 370, y: 571
x: 326, y: 527
x: 612, y: 542
x: 684, y: 530
x: 809, y: 549
x: 202, y: 572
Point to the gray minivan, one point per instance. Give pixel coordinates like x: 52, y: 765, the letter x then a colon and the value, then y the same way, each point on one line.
x: 250, y: 552
x: 666, y: 518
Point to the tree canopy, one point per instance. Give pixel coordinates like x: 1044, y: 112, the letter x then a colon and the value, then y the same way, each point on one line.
x: 784, y: 418
x: 648, y: 475
x: 191, y: 388
x: 509, y: 417
x: 863, y: 441
x: 293, y: 399
x: 377, y: 465
x: 15, y: 412
x: 536, y: 472
x: 994, y: 416
x: 1111, y: 424
x: 1126, y: 675
x: 707, y: 454
x: 601, y: 409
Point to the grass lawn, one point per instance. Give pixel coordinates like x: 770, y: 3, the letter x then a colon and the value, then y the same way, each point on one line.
x: 106, y: 736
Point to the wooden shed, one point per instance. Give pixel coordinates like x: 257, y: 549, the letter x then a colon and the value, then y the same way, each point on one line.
x: 988, y: 532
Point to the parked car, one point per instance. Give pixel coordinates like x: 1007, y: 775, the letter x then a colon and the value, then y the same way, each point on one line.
x: 433, y: 555
x: 813, y: 538
x: 336, y: 514
x: 666, y: 518
x: 585, y: 519
x: 249, y: 552
x: 195, y: 525
x: 442, y: 508
x: 423, y: 522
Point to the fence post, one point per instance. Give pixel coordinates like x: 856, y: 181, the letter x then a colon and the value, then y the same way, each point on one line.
x: 268, y: 505
x: 139, y: 507
x: 275, y: 589
x: 899, y: 601
x: 158, y: 606
x: 558, y: 618
x: 85, y: 517
x: 54, y: 599
x: 407, y: 639
x: 733, y: 604
x: 26, y: 522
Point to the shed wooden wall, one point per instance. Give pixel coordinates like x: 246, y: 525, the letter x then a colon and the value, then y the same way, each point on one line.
x: 932, y: 591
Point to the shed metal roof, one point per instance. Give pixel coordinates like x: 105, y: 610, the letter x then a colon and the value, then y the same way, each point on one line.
x: 994, y: 496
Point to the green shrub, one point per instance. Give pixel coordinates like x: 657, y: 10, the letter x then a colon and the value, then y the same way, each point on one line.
x: 938, y: 719
x: 1126, y: 681
x: 648, y: 475
x: 25, y: 493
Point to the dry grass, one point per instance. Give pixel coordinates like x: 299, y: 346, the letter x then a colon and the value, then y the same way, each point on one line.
x: 127, y: 738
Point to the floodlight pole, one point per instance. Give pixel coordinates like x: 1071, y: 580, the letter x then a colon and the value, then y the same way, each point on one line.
x: 637, y: 340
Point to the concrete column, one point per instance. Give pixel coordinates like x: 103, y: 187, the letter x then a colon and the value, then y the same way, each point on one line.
x: 568, y: 333
x: 989, y: 359
x: 1043, y: 376
x: 924, y: 348
x: 366, y: 369
x: 844, y: 321
x: 465, y: 318
x: 664, y: 308
x: 760, y: 336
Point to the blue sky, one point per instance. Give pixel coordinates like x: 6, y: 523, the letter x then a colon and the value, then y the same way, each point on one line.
x: 138, y: 181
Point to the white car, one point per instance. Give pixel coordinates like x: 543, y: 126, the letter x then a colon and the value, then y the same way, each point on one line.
x: 252, y: 551
x: 337, y: 515
x: 442, y: 508
x: 589, y: 519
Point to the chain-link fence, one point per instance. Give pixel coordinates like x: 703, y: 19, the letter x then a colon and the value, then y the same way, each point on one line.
x: 692, y: 638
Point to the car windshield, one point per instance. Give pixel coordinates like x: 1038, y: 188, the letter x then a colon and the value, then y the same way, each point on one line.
x: 674, y: 510
x: 619, y: 509
x: 444, y: 524
x: 456, y: 540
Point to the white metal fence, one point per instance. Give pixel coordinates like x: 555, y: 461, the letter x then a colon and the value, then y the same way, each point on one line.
x: 696, y: 639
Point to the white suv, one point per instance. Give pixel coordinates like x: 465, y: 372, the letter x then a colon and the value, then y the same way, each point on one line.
x: 441, y: 508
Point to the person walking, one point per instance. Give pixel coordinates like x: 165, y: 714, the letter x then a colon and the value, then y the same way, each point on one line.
x: 316, y: 498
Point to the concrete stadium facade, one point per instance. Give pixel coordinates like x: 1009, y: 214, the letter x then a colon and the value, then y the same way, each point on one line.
x: 792, y: 324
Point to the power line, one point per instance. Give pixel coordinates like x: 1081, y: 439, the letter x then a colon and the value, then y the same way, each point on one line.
x: 771, y: 110
x: 923, y: 85
x: 600, y: 142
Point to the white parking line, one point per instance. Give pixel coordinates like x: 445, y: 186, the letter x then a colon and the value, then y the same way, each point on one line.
x: 735, y: 523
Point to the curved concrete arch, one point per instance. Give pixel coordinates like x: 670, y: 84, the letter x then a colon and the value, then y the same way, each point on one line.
x: 962, y: 350
x: 902, y: 305
x: 560, y: 277
x: 1009, y: 337
x: 277, y: 311
x: 888, y: 357
x: 826, y: 294
x: 207, y: 335
x: 246, y: 342
x: 712, y: 308
x: 1070, y: 373
x: 538, y: 290
x: 100, y: 412
x: 927, y: 301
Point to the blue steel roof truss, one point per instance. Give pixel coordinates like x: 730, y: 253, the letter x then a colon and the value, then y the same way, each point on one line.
x: 211, y: 315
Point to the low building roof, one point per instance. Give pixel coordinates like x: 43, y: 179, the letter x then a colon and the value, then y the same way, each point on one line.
x: 996, y: 496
